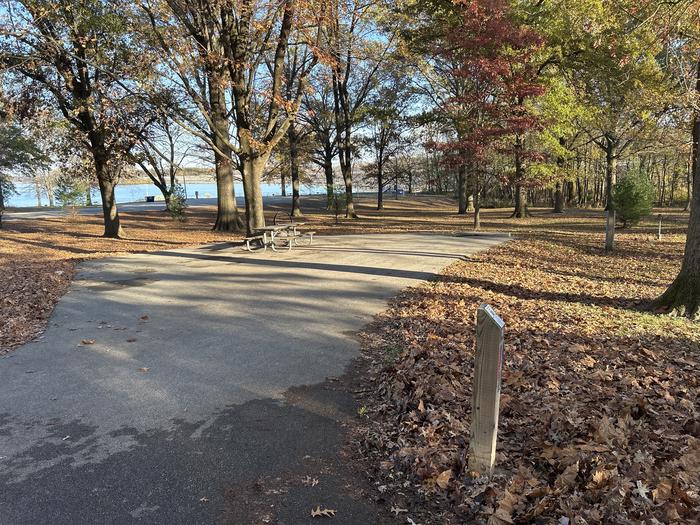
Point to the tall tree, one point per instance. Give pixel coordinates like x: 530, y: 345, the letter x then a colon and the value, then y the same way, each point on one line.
x: 357, y: 48
x: 680, y: 25
x: 521, y: 83
x: 298, y: 132
x: 185, y: 34
x: 254, y: 40
x: 80, y: 56
x: 160, y: 154
x: 613, y: 63
x: 387, y: 121
x: 475, y: 59
x: 317, y: 114
x: 683, y: 295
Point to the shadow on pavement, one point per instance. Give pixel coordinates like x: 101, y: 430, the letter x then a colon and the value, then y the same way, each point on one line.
x: 253, y: 463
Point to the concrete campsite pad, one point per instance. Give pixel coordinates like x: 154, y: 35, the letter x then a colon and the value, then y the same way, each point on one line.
x: 157, y: 392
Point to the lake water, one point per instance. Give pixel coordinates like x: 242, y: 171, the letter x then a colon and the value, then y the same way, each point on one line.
x: 26, y: 193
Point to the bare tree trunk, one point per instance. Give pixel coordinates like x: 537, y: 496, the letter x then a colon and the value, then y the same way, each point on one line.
x: 520, y: 211
x: 610, y: 171
x: 283, y: 182
x: 462, y: 189
x: 662, y: 177
x: 330, y: 184
x: 683, y: 295
x: 559, y: 201
x: 380, y: 189
x: 296, y: 195
x: 37, y: 190
x: 349, y: 201
x: 343, y: 125
x: 293, y: 139
x: 520, y: 202
x: 477, y: 202
x: 570, y: 192
x: 167, y: 197
x: 110, y: 212
x: 558, y: 198
x: 49, y: 193
x: 253, y: 168
x: 227, y: 217
x: 689, y: 186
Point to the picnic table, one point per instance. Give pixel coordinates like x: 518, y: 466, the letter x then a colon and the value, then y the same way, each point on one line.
x: 274, y: 235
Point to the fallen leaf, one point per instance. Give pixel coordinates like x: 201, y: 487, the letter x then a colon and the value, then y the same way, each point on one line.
x: 143, y: 369
x: 443, y: 480
x: 600, y: 477
x: 308, y: 480
x: 397, y: 510
x: 318, y: 512
x: 87, y: 342
x: 662, y: 491
x: 568, y: 477
x: 504, y: 511
x: 641, y: 490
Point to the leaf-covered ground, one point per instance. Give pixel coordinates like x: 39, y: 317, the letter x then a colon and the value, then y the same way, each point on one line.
x: 600, y: 399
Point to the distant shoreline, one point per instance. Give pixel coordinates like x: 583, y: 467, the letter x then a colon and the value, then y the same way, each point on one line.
x: 188, y: 180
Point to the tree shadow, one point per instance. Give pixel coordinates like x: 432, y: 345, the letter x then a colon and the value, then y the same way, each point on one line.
x: 246, y: 462
x: 520, y: 292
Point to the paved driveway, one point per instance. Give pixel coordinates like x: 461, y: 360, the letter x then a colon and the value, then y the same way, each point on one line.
x: 215, y: 384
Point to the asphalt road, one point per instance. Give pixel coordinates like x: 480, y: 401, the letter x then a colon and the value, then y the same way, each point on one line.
x: 205, y: 385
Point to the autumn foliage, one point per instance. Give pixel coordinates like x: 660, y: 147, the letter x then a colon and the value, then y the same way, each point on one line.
x: 491, y: 56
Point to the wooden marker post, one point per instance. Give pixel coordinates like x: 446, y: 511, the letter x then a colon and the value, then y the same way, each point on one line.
x: 609, y: 230
x: 486, y: 390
